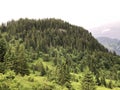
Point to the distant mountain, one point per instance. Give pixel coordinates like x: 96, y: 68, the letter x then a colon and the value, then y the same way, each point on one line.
x: 111, y: 30
x: 111, y: 44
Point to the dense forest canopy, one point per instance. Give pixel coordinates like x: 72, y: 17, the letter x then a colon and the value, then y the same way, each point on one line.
x: 51, y: 33
x: 70, y: 49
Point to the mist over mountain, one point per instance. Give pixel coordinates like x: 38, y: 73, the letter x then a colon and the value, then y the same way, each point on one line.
x: 111, y: 30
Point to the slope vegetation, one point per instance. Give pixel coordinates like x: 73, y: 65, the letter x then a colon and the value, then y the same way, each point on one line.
x: 51, y: 54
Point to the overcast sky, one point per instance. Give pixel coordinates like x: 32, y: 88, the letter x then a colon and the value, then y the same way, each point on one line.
x: 85, y: 13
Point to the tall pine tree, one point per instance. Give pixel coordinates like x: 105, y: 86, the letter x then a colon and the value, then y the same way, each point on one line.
x: 88, y: 82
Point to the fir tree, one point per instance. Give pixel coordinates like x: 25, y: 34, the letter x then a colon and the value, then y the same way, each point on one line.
x: 88, y: 82
x: 63, y: 74
x: 20, y: 65
x: 3, y: 49
x: 42, y: 69
x: 110, y: 85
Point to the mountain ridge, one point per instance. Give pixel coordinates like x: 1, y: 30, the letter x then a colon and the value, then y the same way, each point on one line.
x: 111, y: 44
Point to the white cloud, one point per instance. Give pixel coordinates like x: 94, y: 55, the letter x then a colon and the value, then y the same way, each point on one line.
x: 106, y: 30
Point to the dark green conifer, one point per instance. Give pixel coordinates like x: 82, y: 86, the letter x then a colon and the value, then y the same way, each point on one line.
x: 88, y: 82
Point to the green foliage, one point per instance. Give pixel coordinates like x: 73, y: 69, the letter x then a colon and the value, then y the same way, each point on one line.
x: 43, y: 34
x: 4, y: 86
x: 103, y: 81
x: 20, y: 62
x: 110, y: 84
x: 98, y: 82
x: 10, y: 74
x: 42, y: 69
x: 88, y: 82
x: 62, y: 48
x: 46, y: 57
x: 3, y: 49
x: 2, y: 67
x: 31, y: 79
x: 63, y: 75
x: 39, y: 67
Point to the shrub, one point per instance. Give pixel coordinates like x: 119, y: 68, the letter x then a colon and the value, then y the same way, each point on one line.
x: 31, y: 79
x: 4, y: 86
x: 10, y: 74
x: 46, y: 57
x: 110, y: 85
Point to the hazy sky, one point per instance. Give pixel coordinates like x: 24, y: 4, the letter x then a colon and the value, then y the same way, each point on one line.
x: 86, y: 13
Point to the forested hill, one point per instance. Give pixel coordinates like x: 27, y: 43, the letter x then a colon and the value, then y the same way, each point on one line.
x: 42, y: 34
x: 53, y: 55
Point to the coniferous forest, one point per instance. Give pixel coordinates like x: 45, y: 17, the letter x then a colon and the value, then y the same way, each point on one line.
x: 51, y: 54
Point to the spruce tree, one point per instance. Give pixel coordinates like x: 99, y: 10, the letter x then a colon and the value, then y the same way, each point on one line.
x: 63, y: 77
x: 110, y: 85
x: 3, y: 49
x: 98, y: 82
x: 42, y: 69
x: 103, y: 81
x: 20, y: 65
x: 88, y: 82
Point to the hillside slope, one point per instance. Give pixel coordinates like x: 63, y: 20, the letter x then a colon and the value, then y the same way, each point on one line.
x: 49, y: 54
x: 51, y: 32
